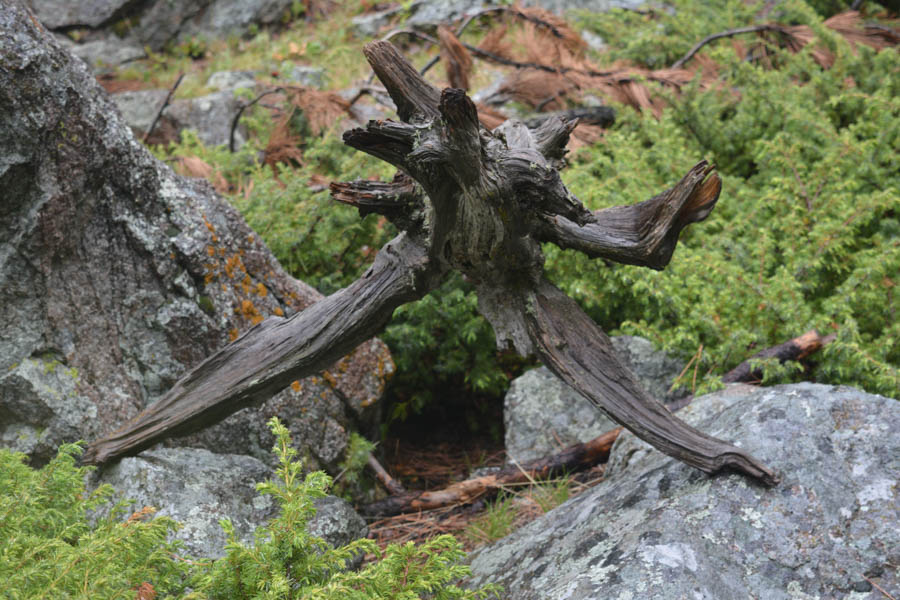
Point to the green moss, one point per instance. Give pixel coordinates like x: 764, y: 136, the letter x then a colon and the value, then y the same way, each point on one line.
x: 206, y: 305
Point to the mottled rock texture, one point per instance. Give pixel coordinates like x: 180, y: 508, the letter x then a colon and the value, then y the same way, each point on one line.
x: 428, y: 14
x: 117, y: 275
x: 656, y: 528
x: 156, y: 23
x: 542, y: 414
x: 198, y: 488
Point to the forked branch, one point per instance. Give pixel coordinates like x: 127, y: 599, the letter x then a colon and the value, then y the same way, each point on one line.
x: 643, y: 234
x: 477, y: 202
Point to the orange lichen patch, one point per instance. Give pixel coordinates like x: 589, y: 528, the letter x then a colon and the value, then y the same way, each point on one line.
x: 221, y: 251
x: 261, y: 290
x: 211, y: 250
x: 296, y: 386
x: 330, y: 379
x: 233, y: 334
x: 278, y: 311
x: 230, y: 264
x: 211, y: 228
x: 250, y: 312
x: 385, y: 367
x: 246, y: 284
x: 209, y: 277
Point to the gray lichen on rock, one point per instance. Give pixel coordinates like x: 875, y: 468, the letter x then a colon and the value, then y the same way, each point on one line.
x: 658, y: 529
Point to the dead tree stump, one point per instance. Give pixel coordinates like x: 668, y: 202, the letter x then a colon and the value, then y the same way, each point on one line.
x: 481, y: 203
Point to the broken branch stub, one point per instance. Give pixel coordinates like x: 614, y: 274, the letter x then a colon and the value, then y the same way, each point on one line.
x: 481, y: 203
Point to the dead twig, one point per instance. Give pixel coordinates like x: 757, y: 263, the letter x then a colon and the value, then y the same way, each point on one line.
x: 795, y: 349
x: 391, y: 484
x: 163, y: 107
x: 411, y: 33
x: 463, y: 492
x: 879, y: 588
x: 710, y: 38
x: 505, y: 9
x: 241, y: 109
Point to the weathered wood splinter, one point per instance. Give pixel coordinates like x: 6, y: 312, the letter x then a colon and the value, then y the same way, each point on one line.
x: 481, y: 203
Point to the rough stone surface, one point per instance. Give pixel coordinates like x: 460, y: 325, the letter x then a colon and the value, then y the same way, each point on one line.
x: 427, y: 14
x: 304, y: 75
x: 656, y: 370
x: 336, y: 522
x: 66, y: 13
x: 198, y: 488
x: 210, y: 116
x: 41, y: 407
x: 542, y: 415
x: 561, y: 7
x: 156, y: 23
x: 139, y: 107
x: 104, y: 54
x: 231, y: 80
x: 656, y: 528
x: 114, y: 268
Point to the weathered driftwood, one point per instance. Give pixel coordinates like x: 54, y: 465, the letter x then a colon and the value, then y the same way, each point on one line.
x: 795, y: 349
x: 391, y: 484
x: 480, y: 203
x: 576, y: 456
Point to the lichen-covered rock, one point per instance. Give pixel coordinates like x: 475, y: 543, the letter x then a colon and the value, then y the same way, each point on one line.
x: 656, y: 528
x: 139, y: 107
x: 231, y: 80
x: 156, y: 23
x: 542, y: 415
x: 41, y: 407
x: 117, y: 269
x: 427, y: 14
x: 65, y: 13
x: 198, y: 488
x: 103, y: 54
x: 336, y: 522
x: 210, y: 116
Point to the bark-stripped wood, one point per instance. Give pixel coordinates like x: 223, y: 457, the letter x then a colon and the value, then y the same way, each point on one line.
x: 572, y: 346
x: 795, y: 349
x: 576, y: 456
x: 268, y: 357
x: 478, y: 202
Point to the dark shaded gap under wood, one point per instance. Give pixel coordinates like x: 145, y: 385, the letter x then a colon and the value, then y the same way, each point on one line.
x: 575, y: 457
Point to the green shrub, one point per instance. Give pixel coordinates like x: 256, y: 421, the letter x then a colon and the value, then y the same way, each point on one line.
x: 49, y: 548
x: 804, y: 236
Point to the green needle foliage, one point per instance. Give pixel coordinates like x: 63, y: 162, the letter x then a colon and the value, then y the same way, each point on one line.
x: 50, y: 549
x: 806, y: 233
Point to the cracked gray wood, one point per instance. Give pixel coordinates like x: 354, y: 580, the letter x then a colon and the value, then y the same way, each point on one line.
x: 481, y: 203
